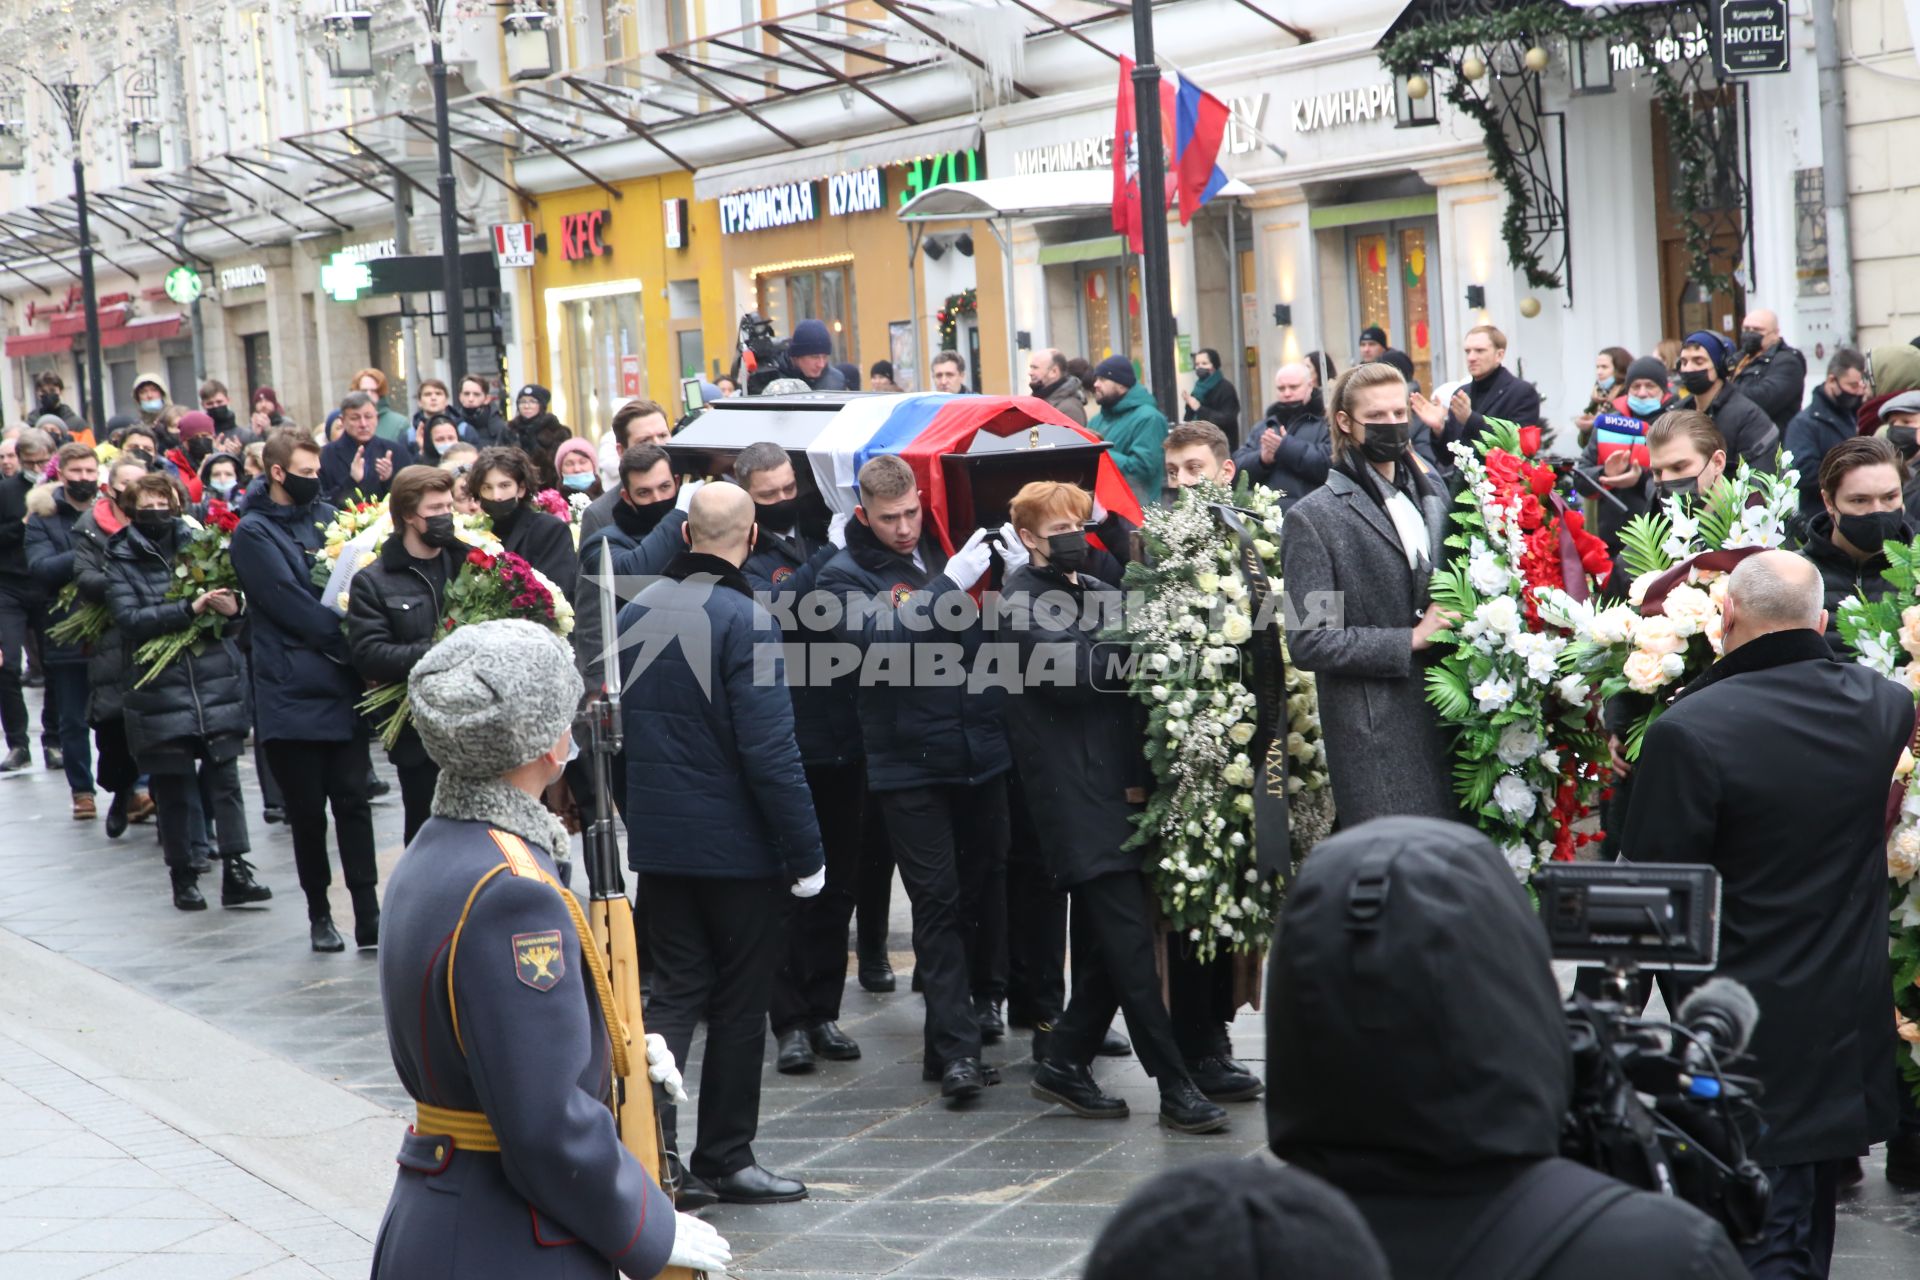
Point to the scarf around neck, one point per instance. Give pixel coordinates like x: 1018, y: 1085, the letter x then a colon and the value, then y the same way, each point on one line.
x: 501, y: 804
x: 1206, y: 385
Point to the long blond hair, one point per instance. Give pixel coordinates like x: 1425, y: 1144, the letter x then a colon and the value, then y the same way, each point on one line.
x: 1346, y: 390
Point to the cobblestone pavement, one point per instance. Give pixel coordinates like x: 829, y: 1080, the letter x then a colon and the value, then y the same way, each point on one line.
x: 901, y: 1185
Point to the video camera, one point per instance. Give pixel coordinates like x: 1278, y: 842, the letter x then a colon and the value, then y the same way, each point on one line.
x: 757, y: 355
x: 1652, y: 1105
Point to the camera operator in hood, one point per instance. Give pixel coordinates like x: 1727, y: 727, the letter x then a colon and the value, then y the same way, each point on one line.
x: 806, y: 357
x: 1419, y: 1061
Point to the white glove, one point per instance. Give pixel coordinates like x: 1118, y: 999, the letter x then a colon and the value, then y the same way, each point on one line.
x: 662, y: 1070
x: 1013, y: 552
x: 697, y: 1246
x: 808, y: 886
x: 685, y: 500
x: 1099, y: 514
x: 837, y: 529
x: 969, y: 564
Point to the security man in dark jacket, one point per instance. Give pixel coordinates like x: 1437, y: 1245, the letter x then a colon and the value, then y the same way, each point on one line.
x: 1746, y: 771
x: 1861, y: 486
x: 496, y: 1006
x: 361, y: 464
x: 1076, y: 741
x: 1429, y: 1122
x: 394, y: 607
x: 1493, y: 392
x: 936, y: 751
x: 1292, y: 448
x: 1831, y: 415
x: 23, y: 605
x: 1749, y: 433
x: 783, y: 569
x: 54, y: 511
x: 305, y: 690
x: 1770, y: 373
x: 728, y: 838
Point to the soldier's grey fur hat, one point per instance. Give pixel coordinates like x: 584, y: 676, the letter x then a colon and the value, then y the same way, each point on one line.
x: 492, y: 696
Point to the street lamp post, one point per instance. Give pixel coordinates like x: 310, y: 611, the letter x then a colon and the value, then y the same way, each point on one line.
x: 72, y: 98
x: 449, y: 221
x: 1153, y: 203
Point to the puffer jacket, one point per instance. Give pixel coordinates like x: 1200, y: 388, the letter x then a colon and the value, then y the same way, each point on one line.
x: 199, y: 698
x: 393, y: 618
x: 915, y: 734
x: 50, y: 522
x: 107, y: 660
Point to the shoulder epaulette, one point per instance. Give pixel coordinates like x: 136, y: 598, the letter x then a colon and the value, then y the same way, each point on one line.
x: 519, y: 857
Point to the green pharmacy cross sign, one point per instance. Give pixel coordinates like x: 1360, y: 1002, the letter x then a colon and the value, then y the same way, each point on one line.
x: 345, y: 278
x: 183, y: 285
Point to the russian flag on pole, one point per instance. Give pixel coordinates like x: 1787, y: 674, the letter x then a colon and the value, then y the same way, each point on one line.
x: 1200, y: 126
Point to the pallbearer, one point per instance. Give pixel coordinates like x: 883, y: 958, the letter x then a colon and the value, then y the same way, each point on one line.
x: 497, y: 1002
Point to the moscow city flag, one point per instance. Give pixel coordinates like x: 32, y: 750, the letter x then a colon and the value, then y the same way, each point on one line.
x: 1193, y: 123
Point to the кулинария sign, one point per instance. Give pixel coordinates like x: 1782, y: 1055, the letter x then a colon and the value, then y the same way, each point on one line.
x: 1752, y: 37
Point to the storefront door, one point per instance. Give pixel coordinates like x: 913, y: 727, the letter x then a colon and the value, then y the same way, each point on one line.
x: 1390, y: 283
x: 1109, y: 293
x: 824, y: 294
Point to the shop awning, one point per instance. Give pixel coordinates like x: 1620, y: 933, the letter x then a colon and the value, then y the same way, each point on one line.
x: 1074, y: 193
x: 75, y: 322
x: 145, y: 329
x: 38, y: 344
x: 873, y: 152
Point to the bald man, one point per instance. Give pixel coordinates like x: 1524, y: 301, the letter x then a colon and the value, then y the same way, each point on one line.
x: 1770, y: 373
x: 1047, y: 377
x: 1292, y: 449
x: 721, y: 829
x: 1773, y: 767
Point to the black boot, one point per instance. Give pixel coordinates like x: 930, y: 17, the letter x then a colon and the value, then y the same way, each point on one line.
x: 324, y: 936
x: 1074, y: 1088
x: 1216, y: 1077
x: 795, y: 1057
x: 1115, y: 1045
x: 117, y: 816
x: 366, y: 917
x: 1184, y: 1109
x: 963, y: 1080
x: 237, y: 885
x: 186, y: 889
x: 992, y: 1026
x: 876, y: 971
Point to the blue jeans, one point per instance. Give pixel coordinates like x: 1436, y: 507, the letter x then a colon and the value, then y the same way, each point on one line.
x: 66, y: 693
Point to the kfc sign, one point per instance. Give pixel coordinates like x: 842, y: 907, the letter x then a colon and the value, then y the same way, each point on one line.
x: 581, y: 235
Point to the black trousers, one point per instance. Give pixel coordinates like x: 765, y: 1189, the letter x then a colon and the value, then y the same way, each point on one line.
x: 873, y: 892
x: 1036, y: 923
x: 67, y: 692
x: 807, y: 990
x: 21, y: 617
x: 118, y: 773
x: 950, y: 843
x: 1119, y: 975
x: 417, y: 782
x: 1201, y: 996
x: 270, y: 796
x: 181, y: 809
x: 1798, y: 1240
x: 313, y: 777
x: 716, y: 945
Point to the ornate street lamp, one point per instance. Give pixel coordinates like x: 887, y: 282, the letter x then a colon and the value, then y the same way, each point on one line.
x: 529, y: 47
x: 143, y: 144
x: 1590, y: 64
x: 1415, y: 99
x: 349, y: 41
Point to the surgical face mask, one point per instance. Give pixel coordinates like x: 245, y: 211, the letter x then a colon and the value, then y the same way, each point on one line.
x: 223, y: 486
x: 1067, y: 552
x: 152, y: 406
x: 1872, y: 530
x: 579, y: 481
x: 502, y: 511
x: 151, y: 522
x: 1644, y: 406
x: 1605, y: 384
x: 777, y: 516
x: 1385, y: 441
x: 439, y: 531
x: 573, y: 748
x: 1685, y: 487
x: 1697, y: 381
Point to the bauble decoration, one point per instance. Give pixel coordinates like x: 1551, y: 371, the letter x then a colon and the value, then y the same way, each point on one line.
x: 1529, y: 306
x: 1536, y: 59
x: 1417, y: 87
x: 1472, y: 67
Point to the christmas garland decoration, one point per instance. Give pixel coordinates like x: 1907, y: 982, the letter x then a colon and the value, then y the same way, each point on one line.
x: 951, y: 312
x: 1431, y: 45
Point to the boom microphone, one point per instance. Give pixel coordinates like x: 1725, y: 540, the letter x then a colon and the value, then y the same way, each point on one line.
x: 1721, y: 1016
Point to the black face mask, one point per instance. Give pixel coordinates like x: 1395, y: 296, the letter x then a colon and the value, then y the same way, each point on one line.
x: 1905, y: 439
x: 1750, y: 340
x: 49, y: 400
x: 222, y: 417
x: 82, y: 490
x: 153, y: 523
x: 439, y: 531
x: 1871, y: 531
x: 199, y: 447
x: 1288, y: 414
x: 639, y: 521
x: 1685, y: 488
x: 1067, y: 552
x: 302, y: 489
x: 777, y: 516
x: 1697, y: 381
x: 502, y: 511
x: 1386, y: 441
x: 1847, y: 404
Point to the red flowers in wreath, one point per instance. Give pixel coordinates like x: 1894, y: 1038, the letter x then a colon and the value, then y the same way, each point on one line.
x: 1557, y: 550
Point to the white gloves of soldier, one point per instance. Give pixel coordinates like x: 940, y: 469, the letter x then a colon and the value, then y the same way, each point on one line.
x: 1099, y: 513
x: 662, y: 1070
x: 969, y: 564
x: 837, y: 529
x: 1013, y: 552
x: 685, y: 501
x: 809, y: 886
x: 697, y: 1246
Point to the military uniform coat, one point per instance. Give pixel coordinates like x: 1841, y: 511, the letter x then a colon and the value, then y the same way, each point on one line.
x: 562, y: 1197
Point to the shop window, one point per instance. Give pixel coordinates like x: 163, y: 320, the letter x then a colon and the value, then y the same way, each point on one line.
x: 604, y: 360
x: 1391, y: 285
x: 386, y: 351
x: 182, y: 386
x: 824, y: 294
x: 259, y: 355
x: 120, y: 376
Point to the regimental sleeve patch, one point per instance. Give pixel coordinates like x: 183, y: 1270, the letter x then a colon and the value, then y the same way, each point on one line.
x: 900, y: 593
x: 539, y: 960
x: 781, y: 574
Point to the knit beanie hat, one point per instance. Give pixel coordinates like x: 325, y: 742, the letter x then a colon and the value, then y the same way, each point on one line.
x: 574, y: 445
x: 810, y: 338
x: 537, y: 392
x: 1650, y: 368
x: 193, y: 423
x: 492, y: 696
x: 1116, y: 369
x: 1236, y: 1220
x: 1716, y: 347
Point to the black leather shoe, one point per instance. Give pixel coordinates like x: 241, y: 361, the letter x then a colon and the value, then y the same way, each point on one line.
x: 1185, y: 1110
x: 689, y: 1193
x: 1042, y: 1041
x: 379, y: 787
x: 56, y: 758
x: 1903, y: 1161
x: 876, y: 971
x: 1215, y: 1077
x: 324, y: 936
x: 272, y: 814
x: 237, y: 885
x: 754, y: 1185
x: 186, y: 891
x: 17, y: 758
x: 963, y: 1080
x: 833, y: 1044
x: 117, y: 816
x: 1115, y: 1045
x: 1074, y: 1088
x: 199, y: 863
x: 366, y: 917
x: 992, y: 1026
x: 1847, y: 1174
x: 795, y: 1054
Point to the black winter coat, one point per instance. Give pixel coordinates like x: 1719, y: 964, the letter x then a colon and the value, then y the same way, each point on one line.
x: 1076, y: 739
x: 1305, y: 454
x: 337, y: 485
x: 198, y: 703
x: 1220, y: 406
x: 784, y: 570
x: 393, y: 618
x: 1747, y: 771
x: 1749, y: 433
x: 538, y: 437
x: 50, y: 562
x: 916, y: 734
x: 1809, y: 434
x: 106, y: 663
x: 483, y: 427
x: 1776, y: 382
x: 1424, y: 1119
x: 14, y: 578
x: 1842, y: 577
x: 546, y: 543
x: 1501, y: 394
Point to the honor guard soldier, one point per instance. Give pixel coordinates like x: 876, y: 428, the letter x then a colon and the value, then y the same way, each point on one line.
x: 498, y: 1006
